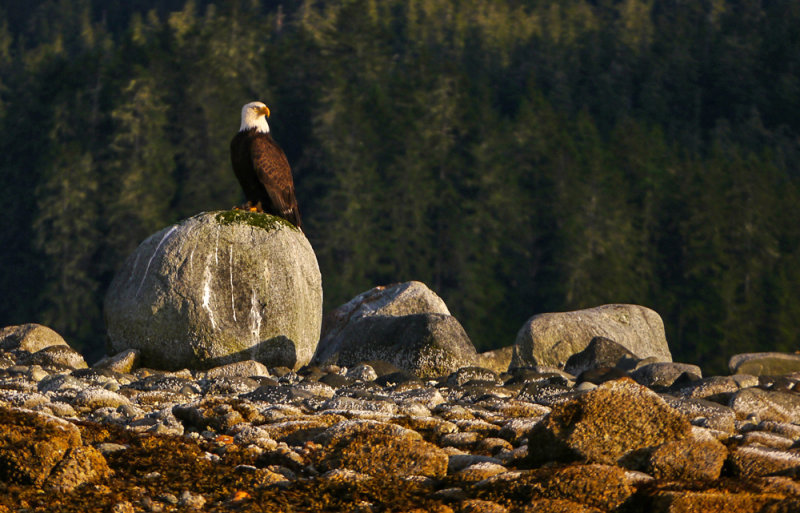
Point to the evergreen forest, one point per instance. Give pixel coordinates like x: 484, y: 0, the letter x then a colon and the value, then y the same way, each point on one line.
x: 517, y: 156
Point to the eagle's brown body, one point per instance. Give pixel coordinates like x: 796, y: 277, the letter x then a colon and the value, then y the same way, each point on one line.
x: 264, y: 174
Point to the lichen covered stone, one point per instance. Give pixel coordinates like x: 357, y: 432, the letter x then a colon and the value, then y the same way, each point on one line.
x: 379, y: 449
x: 32, y: 444
x: 688, y: 460
x: 618, y: 423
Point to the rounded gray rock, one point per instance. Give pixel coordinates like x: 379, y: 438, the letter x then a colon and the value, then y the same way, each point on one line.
x: 55, y: 356
x: 551, y: 338
x: 764, y: 364
x: 429, y: 345
x: 399, y: 299
x: 663, y: 373
x: 217, y: 288
x: 29, y: 337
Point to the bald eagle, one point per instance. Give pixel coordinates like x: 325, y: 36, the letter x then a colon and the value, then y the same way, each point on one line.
x: 261, y: 167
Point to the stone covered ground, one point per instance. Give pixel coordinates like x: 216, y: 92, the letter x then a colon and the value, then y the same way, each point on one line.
x: 370, y: 437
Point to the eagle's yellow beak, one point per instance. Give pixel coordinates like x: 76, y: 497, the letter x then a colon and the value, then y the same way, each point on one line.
x: 265, y: 111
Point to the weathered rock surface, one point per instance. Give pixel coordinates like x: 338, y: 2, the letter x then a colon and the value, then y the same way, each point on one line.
x: 767, y: 405
x: 397, y: 300
x: 371, y: 437
x: 497, y: 360
x: 474, y: 374
x: 764, y: 364
x: 601, y: 352
x: 688, y: 460
x: 616, y: 423
x: 82, y: 465
x: 57, y: 356
x: 405, y: 324
x: 715, y: 386
x: 752, y: 461
x: 480, y: 506
x: 32, y: 444
x: 551, y: 338
x: 708, y: 414
x: 709, y: 502
x: 29, y: 337
x: 216, y: 288
x: 244, y: 368
x: 663, y: 374
x: 428, y: 345
x: 376, y: 448
x: 556, y: 506
x: 600, y: 486
x: 123, y: 362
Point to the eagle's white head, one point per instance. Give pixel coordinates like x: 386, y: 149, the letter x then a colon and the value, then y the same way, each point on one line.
x: 254, y: 115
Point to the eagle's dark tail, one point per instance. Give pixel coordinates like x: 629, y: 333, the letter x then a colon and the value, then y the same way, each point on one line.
x: 293, y: 216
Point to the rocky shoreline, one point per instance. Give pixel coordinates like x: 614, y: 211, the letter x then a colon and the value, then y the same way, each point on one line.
x: 372, y: 437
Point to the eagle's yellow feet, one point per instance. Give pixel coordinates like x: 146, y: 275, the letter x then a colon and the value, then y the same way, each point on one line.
x: 248, y: 207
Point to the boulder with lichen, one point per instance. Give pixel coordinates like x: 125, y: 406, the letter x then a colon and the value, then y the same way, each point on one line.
x: 217, y: 288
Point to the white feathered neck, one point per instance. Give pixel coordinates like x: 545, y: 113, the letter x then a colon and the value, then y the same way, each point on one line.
x: 254, y: 115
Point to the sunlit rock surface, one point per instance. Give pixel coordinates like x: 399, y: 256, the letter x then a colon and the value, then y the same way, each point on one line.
x: 217, y: 288
x: 405, y: 324
x: 764, y: 364
x: 551, y: 338
x: 29, y: 337
x: 247, y: 437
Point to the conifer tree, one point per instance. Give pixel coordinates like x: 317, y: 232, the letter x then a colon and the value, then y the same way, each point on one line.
x: 140, y: 170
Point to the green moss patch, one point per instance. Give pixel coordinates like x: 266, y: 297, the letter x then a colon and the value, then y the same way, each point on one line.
x: 267, y: 222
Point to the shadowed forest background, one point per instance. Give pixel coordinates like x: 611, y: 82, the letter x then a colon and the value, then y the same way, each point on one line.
x: 518, y: 156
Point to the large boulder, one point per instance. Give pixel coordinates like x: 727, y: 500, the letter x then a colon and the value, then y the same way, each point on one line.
x: 411, y: 297
x: 217, y: 288
x: 551, y: 338
x: 428, y: 345
x: 618, y: 423
x: 29, y: 337
x: 405, y: 324
x: 764, y: 364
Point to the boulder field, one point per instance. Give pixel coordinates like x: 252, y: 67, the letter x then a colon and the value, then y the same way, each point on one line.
x: 225, y: 390
x: 229, y: 286
x: 372, y: 436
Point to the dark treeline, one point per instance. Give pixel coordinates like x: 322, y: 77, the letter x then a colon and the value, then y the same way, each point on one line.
x: 517, y: 156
